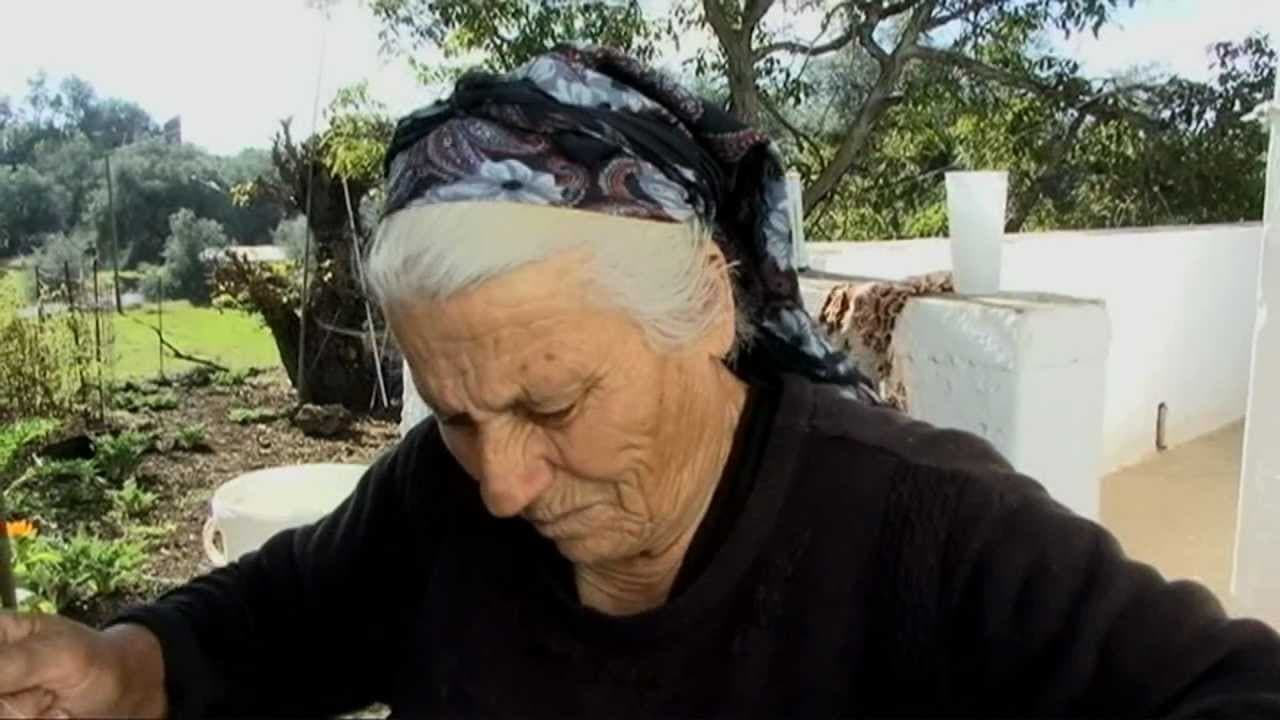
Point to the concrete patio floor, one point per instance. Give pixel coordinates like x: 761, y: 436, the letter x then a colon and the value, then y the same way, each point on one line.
x: 1178, y: 510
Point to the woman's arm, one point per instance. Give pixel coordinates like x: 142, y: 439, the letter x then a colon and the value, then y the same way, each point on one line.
x: 308, y: 624
x: 1049, y: 617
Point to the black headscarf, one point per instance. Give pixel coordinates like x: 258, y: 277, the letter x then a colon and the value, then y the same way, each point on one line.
x: 593, y: 129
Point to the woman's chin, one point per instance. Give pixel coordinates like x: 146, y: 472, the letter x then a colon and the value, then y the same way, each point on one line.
x: 588, y: 549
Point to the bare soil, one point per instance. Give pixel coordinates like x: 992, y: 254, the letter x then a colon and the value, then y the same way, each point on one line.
x: 186, y: 480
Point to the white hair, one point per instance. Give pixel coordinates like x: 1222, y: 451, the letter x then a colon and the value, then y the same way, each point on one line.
x: 660, y: 274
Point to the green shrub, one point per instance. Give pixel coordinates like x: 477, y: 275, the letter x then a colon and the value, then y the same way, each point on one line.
x: 136, y: 400
x: 155, y: 281
x: 61, y: 255
x: 191, y: 437
x: 59, y: 492
x: 131, y: 501
x: 59, y: 572
x: 291, y: 234
x: 252, y: 416
x: 197, y: 377
x: 60, y: 471
x: 185, y: 266
x: 45, y: 365
x: 118, y: 456
x: 232, y: 378
x: 17, y: 436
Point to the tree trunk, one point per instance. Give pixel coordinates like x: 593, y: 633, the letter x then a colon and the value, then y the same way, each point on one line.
x: 744, y: 94
x: 740, y: 62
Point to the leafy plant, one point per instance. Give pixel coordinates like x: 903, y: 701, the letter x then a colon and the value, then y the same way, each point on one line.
x: 59, y: 572
x: 291, y: 234
x: 17, y: 436
x: 61, y: 257
x: 190, y: 237
x: 56, y: 471
x: 134, y: 401
x: 45, y: 364
x: 155, y: 281
x: 118, y: 456
x: 232, y: 378
x: 253, y: 416
x: 191, y: 437
x: 131, y: 501
x: 58, y: 492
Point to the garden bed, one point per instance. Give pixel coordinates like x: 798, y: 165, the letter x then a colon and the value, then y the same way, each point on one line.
x: 195, y: 439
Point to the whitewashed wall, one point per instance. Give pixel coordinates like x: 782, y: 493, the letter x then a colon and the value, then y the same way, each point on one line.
x: 1026, y: 371
x: 1182, y: 303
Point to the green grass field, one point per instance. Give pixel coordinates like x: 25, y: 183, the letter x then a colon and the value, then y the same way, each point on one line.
x: 231, y: 338
x: 235, y: 339
x: 12, y: 278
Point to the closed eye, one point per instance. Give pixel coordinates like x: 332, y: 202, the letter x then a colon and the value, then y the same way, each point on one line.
x: 553, y: 417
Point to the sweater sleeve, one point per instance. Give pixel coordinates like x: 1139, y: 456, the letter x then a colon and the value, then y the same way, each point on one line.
x: 1049, y: 617
x: 305, y: 626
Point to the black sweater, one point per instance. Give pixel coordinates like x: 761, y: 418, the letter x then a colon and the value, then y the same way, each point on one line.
x: 856, y: 563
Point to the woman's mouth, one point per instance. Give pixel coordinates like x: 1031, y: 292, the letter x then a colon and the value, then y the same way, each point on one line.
x: 567, y: 524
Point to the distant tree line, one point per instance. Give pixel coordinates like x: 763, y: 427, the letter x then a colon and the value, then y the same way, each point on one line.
x: 55, y: 201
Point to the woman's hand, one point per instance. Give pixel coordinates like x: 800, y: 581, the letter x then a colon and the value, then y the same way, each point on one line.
x: 54, y: 667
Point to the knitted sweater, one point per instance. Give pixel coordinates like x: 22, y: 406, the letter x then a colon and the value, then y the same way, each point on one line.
x: 860, y: 564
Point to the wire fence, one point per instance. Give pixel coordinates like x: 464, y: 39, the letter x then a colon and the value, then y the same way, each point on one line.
x: 58, y: 354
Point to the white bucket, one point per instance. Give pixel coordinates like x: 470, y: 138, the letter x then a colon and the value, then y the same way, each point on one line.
x: 976, y: 203
x: 247, y: 511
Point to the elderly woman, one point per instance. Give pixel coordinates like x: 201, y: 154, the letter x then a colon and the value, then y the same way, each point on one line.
x: 650, y: 488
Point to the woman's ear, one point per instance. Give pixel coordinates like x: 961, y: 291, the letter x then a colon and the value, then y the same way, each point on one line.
x: 722, y: 332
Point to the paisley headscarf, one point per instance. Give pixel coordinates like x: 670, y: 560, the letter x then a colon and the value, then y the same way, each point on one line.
x: 593, y: 129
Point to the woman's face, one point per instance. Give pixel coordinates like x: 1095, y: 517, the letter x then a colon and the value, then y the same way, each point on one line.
x: 560, y: 409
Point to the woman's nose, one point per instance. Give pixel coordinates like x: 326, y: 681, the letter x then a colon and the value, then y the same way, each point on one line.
x: 511, y: 474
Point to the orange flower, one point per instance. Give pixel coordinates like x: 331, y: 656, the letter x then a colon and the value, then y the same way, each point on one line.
x: 20, y: 528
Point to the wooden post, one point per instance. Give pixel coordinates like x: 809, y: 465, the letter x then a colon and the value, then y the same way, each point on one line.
x: 368, y: 312
x: 8, y: 584
x: 97, y: 341
x: 39, y: 296
x: 74, y: 324
x: 160, y: 320
x: 115, y: 241
x: 306, y: 244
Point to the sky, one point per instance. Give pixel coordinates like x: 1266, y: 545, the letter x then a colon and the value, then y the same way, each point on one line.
x: 233, y: 68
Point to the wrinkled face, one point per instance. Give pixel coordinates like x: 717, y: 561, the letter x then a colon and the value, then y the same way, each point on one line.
x: 560, y: 409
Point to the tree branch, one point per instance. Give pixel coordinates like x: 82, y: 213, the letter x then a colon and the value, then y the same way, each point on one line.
x: 898, y: 9
x: 1038, y: 189
x: 969, y: 10
x: 878, y: 101
x: 719, y: 22
x: 1094, y: 105
x: 874, y: 9
x: 753, y: 13
x: 978, y: 68
x: 797, y: 48
x: 867, y: 39
x: 178, y: 353
x: 771, y: 108
x: 811, y: 49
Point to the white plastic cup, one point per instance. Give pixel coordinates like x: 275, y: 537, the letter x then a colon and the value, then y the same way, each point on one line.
x: 976, y: 203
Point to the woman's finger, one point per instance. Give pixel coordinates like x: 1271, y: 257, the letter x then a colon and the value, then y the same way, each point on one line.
x: 32, y: 703
x: 15, y: 626
x: 17, y: 662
